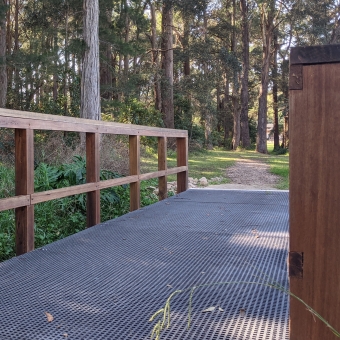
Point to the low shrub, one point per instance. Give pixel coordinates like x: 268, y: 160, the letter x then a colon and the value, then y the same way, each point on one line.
x: 57, y: 219
x: 280, y: 151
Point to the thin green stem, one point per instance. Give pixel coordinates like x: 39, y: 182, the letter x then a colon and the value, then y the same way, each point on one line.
x: 160, y: 325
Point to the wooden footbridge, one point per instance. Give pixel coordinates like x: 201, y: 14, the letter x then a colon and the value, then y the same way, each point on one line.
x: 106, y: 282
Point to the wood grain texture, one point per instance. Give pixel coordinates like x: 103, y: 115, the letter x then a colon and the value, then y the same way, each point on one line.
x: 177, y: 170
x: 150, y: 175
x: 182, y: 160
x: 50, y: 195
x: 14, y: 202
x: 162, y: 165
x: 44, y: 196
x: 315, y: 199
x: 24, y: 185
x: 109, y: 183
x: 39, y: 121
x: 160, y: 174
x: 134, y: 161
x: 92, y: 176
x: 311, y: 55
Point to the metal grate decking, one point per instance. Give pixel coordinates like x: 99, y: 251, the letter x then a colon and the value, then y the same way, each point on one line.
x: 105, y: 282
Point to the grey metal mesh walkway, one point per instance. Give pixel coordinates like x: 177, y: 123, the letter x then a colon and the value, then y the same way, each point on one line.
x: 106, y: 282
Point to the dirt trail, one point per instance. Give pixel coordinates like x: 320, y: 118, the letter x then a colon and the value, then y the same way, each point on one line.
x: 249, y: 174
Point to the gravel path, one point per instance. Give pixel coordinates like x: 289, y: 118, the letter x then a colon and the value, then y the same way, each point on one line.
x: 249, y: 174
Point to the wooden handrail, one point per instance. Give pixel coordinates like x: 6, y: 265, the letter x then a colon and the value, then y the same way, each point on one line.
x: 39, y: 121
x: 25, y: 198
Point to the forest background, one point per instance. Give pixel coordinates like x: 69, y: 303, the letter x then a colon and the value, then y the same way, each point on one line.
x: 216, y: 68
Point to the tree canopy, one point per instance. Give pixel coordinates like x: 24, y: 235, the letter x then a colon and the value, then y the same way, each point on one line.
x: 217, y: 68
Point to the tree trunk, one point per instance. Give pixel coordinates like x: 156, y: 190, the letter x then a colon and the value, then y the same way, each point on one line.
x: 106, y: 60
x: 185, y: 43
x: 267, y: 34
x: 335, y: 37
x: 236, y: 124
x: 261, y: 138
x: 285, y: 93
x: 90, y: 95
x: 3, y: 71
x: 207, y: 114
x: 114, y: 66
x: 236, y: 111
x: 126, y: 38
x: 245, y: 139
x: 106, y: 73
x: 218, y: 106
x: 167, y: 66
x: 17, y: 86
x: 187, y: 67
x: 56, y: 61
x: 155, y: 63
x: 9, y: 43
x: 66, y: 70
x: 275, y: 95
x: 225, y: 105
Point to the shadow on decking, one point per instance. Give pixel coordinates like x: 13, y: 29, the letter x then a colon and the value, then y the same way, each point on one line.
x: 106, y: 282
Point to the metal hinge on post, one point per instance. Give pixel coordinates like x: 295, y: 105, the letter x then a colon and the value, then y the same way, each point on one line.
x: 295, y: 263
x: 296, y: 77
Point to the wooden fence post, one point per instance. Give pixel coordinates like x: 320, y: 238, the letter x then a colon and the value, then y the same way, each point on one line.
x: 24, y: 185
x: 182, y: 160
x: 93, y: 176
x: 314, y: 197
x: 134, y: 158
x: 162, y: 165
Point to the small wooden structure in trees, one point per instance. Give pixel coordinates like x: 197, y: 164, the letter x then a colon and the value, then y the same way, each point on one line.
x: 314, y: 258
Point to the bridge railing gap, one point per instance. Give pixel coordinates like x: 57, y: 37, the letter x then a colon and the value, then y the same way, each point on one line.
x: 25, y: 198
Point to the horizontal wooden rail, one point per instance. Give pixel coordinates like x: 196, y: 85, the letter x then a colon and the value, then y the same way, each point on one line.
x: 38, y: 121
x: 162, y: 173
x: 25, y: 123
x: 14, y: 202
x: 109, y: 183
x: 49, y: 195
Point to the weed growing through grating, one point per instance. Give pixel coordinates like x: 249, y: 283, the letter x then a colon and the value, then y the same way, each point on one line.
x: 164, y: 318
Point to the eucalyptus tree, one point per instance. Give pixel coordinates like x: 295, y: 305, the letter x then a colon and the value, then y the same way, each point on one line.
x: 244, y: 125
x: 90, y: 82
x: 235, y: 82
x: 3, y: 71
x: 155, y: 57
x: 316, y: 22
x: 41, y: 38
x: 269, y: 14
x: 167, y: 65
x: 335, y: 36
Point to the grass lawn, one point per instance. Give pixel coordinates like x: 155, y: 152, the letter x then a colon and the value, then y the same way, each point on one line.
x: 279, y: 165
x: 213, y: 163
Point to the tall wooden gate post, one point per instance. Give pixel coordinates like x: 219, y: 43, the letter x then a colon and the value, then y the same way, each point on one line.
x: 24, y: 185
x: 314, y: 259
x: 182, y: 160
